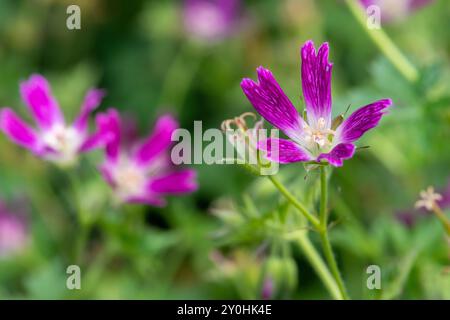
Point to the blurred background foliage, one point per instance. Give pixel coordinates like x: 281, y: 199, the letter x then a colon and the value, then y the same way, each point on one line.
x: 141, y: 54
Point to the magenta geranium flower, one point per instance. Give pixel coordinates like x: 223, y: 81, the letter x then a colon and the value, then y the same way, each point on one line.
x: 53, y: 139
x: 210, y: 20
x: 141, y: 171
x: 314, y: 138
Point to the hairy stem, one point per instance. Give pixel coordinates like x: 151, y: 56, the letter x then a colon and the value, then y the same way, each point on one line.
x: 323, y: 196
x: 319, y: 266
x: 329, y: 256
x: 442, y: 217
x: 323, y: 231
x: 314, y: 221
x: 306, y: 246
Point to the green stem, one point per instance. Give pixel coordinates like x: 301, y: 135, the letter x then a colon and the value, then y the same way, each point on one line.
x: 442, y: 217
x: 323, y: 231
x: 305, y: 244
x: 397, y: 285
x: 81, y: 243
x: 385, y: 44
x: 319, y: 266
x: 314, y: 221
x: 323, y: 196
x: 84, y: 226
x: 329, y: 256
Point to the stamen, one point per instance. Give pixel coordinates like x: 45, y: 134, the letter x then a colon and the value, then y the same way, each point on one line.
x: 226, y: 125
x: 64, y: 140
x: 320, y: 135
x: 239, y: 122
x: 247, y: 114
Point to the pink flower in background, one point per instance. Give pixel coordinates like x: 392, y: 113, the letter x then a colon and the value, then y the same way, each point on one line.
x: 13, y: 232
x: 444, y: 203
x: 392, y: 10
x: 316, y: 137
x: 141, y: 171
x: 410, y: 217
x: 210, y: 20
x: 267, y: 289
x: 53, y: 139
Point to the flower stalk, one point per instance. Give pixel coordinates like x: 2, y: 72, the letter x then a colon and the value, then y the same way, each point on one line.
x: 385, y: 44
x: 311, y: 218
x: 323, y: 231
x: 308, y: 249
x: 442, y: 218
x: 319, y: 266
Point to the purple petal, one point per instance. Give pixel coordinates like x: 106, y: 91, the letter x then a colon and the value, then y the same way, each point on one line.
x: 283, y: 151
x: 37, y: 95
x: 91, y: 102
x: 159, y: 141
x: 361, y: 121
x: 272, y: 104
x: 339, y: 153
x: 17, y: 130
x: 316, y: 82
x: 107, y: 134
x: 174, y: 183
x: 129, y: 131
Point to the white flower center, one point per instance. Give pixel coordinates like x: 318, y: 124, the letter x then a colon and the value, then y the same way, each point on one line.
x: 319, y: 135
x: 129, y: 179
x: 66, y: 142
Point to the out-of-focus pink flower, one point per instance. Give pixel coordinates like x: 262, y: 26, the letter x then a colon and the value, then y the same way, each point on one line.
x: 444, y: 203
x: 53, y: 139
x: 141, y: 171
x: 267, y: 289
x: 410, y: 217
x: 406, y: 218
x: 210, y: 20
x: 13, y: 232
x: 392, y: 10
